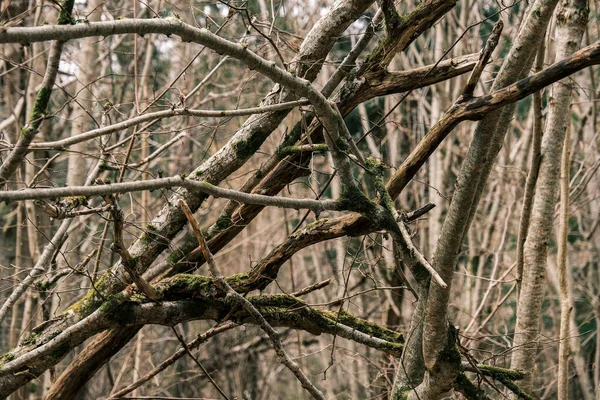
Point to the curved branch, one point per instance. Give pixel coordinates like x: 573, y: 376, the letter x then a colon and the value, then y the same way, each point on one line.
x: 61, y: 144
x: 38, y: 112
x: 256, y: 315
x: 169, y: 183
x: 477, y: 107
x: 170, y: 220
x: 473, y: 109
x: 189, y: 33
x: 186, y: 298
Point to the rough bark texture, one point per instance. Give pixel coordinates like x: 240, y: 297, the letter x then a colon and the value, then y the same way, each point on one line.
x: 435, y: 360
x: 470, y: 183
x: 562, y: 266
x: 241, y: 147
x: 572, y: 17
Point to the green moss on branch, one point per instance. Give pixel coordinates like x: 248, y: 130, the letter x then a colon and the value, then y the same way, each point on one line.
x: 288, y: 150
x: 6, y: 358
x: 497, y: 372
x: 64, y: 16
x: 369, y: 328
x: 463, y: 385
x: 92, y: 299
x: 353, y: 199
x: 187, y: 286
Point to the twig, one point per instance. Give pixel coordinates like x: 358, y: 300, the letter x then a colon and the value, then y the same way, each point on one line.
x: 407, y: 241
x: 77, y: 269
x: 312, y: 288
x: 189, y: 353
x: 176, y: 356
x: 348, y: 62
x: 348, y: 136
x: 167, y: 183
x: 260, y: 320
x: 401, y: 235
x: 60, y: 144
x: 55, y: 211
x: 419, y: 212
x: 118, y: 247
x: 38, y: 113
x: 484, y: 57
x: 41, y: 171
x: 158, y: 151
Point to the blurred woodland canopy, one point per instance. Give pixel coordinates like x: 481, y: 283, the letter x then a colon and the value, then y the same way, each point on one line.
x: 260, y: 199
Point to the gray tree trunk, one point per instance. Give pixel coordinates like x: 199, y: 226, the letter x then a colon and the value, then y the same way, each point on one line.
x: 572, y: 17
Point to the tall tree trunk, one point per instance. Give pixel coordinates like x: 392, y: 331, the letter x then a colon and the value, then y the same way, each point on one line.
x: 534, y: 168
x: 571, y: 19
x: 440, y: 359
x: 78, y: 169
x: 576, y: 355
x: 255, y: 130
x: 84, y: 90
x: 436, y: 172
x: 562, y: 269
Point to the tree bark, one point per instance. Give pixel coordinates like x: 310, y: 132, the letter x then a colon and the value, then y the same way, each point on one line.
x: 562, y: 270
x: 571, y: 20
x: 244, y: 143
x: 439, y: 357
